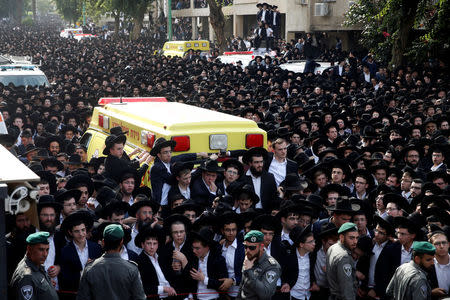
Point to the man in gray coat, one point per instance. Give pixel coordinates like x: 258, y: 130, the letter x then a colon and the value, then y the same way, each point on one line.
x: 110, y: 277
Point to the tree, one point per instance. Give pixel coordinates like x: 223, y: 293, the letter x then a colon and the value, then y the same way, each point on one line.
x: 217, y: 20
x: 70, y: 9
x: 400, y: 29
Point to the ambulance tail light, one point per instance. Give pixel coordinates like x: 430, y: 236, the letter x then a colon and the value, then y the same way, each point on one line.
x: 147, y: 138
x: 254, y: 140
x: 103, y: 121
x: 183, y: 143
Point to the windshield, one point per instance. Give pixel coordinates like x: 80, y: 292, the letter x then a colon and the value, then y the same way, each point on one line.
x: 24, y: 80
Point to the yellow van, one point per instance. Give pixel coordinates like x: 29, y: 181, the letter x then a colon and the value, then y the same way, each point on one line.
x: 194, y: 129
x: 179, y: 48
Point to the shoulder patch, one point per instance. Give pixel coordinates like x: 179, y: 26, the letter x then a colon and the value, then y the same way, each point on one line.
x: 347, y: 268
x: 27, y: 291
x: 270, y: 276
x: 272, y: 261
x: 424, y: 291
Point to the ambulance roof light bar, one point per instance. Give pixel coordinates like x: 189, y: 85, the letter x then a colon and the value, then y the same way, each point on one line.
x: 104, y: 101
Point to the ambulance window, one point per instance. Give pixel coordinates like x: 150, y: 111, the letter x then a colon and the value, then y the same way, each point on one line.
x: 86, y: 139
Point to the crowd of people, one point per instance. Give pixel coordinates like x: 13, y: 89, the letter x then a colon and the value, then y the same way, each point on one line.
x: 349, y: 201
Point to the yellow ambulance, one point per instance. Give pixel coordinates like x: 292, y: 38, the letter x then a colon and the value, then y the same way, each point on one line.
x: 194, y: 129
x: 179, y: 48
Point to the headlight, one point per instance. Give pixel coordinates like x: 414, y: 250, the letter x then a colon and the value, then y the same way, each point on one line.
x: 218, y: 142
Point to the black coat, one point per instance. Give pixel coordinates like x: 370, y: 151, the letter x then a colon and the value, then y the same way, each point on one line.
x: 115, y: 167
x: 268, y: 192
x: 239, y: 256
x: 290, y: 269
x: 387, y: 263
x: 200, y: 193
x: 69, y: 278
x: 148, y: 273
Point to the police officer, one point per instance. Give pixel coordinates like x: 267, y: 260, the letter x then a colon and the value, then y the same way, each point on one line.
x: 260, y: 271
x: 341, y: 266
x: 410, y: 279
x: 110, y: 277
x: 30, y: 281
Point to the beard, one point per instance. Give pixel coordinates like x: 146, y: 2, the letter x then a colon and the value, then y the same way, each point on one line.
x: 50, y: 229
x: 255, y: 172
x: 141, y: 224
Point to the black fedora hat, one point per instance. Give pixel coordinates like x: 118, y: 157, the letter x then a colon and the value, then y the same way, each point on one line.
x: 176, y: 218
x: 204, y: 235
x: 113, y: 139
x: 149, y: 232
x: 230, y: 217
x: 235, y: 163
x: 41, y: 154
x: 413, y: 222
x: 64, y: 194
x: 81, y: 216
x: 327, y: 229
x: 188, y: 206
x: 117, y: 130
x: 52, y: 162
x: 386, y: 223
x: 297, y: 233
x: 114, y: 206
x: 210, y: 165
x: 293, y: 182
x: 161, y: 143
x: 28, y: 149
x: 313, y: 201
x: 341, y: 190
x: 50, y: 178
x: 245, y: 189
x: 74, y: 159
x: 137, y: 205
x: 105, y: 195
x: 266, y: 221
x: 52, y: 138
x: 7, y: 140
x: 178, y: 166
x: 341, y: 164
x: 78, y: 179
x: 344, y: 205
x: 401, y: 202
x: 48, y: 201
x: 410, y: 147
x: 255, y: 151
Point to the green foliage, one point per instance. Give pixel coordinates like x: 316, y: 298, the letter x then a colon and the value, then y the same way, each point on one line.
x: 71, y: 10
x: 28, y: 20
x: 381, y: 22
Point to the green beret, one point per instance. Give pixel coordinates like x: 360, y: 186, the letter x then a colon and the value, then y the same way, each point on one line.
x: 113, y: 232
x: 40, y: 237
x: 424, y: 247
x: 254, y: 236
x: 347, y: 227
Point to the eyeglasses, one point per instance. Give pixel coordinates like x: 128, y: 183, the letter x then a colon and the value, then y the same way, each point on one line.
x: 232, y: 172
x: 380, y: 232
x: 250, y: 247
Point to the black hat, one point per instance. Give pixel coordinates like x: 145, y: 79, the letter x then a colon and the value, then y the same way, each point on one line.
x: 113, y: 139
x: 292, y: 182
x: 341, y: 190
x: 386, y: 223
x: 266, y: 221
x: 64, y: 194
x: 345, y: 206
x: 50, y: 178
x: 401, y: 202
x: 204, y: 235
x: 178, y: 166
x: 161, y: 143
x: 52, y: 162
x: 74, y: 159
x: 366, y: 175
x: 82, y: 215
x: 117, y: 130
x: 247, y: 189
x: 287, y: 207
x: 230, y: 217
x: 233, y: 162
x: 29, y: 148
x: 410, y: 147
x: 48, y: 201
x: 365, y: 244
x: 259, y: 5
x: 210, y: 165
x: 176, y: 218
x: 297, y: 233
x: 137, y: 205
x: 147, y: 232
x: 114, y: 205
x: 369, y: 133
x: 413, y: 222
x: 442, y: 215
x: 7, y: 140
x: 255, y: 151
x: 52, y: 138
x: 105, y: 195
x: 74, y: 182
x: 341, y: 164
x: 328, y: 228
x: 434, y: 201
x: 41, y: 154
x: 188, y: 206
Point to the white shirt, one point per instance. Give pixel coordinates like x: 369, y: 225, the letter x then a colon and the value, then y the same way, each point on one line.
x: 256, y: 186
x: 269, y: 32
x: 406, y: 255
x: 285, y: 237
x: 131, y: 245
x: 229, y: 253
x: 278, y: 169
x: 186, y: 193
x: 443, y: 275
x: 263, y: 16
x: 373, y: 261
x: 162, y: 282
x: 50, y: 260
x: 367, y: 77
x: 124, y: 253
x: 166, y: 187
x: 433, y: 168
x: 202, y: 286
x: 83, y: 255
x: 321, y: 263
x: 301, y: 288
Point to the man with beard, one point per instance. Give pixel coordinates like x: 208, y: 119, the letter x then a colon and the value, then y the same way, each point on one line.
x: 127, y: 185
x: 263, y: 182
x: 48, y: 210
x: 144, y: 212
x: 260, y: 271
x: 412, y: 156
x: 410, y: 280
x: 341, y: 273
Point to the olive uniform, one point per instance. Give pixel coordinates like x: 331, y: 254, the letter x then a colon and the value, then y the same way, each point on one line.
x: 111, y: 277
x: 31, y: 282
x: 260, y: 282
x: 341, y: 271
x: 409, y: 282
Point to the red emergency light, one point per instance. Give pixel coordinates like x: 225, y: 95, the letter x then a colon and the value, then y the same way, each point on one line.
x: 238, y: 52
x: 104, y: 101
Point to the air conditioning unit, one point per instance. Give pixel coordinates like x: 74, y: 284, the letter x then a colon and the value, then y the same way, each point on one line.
x: 321, y: 9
